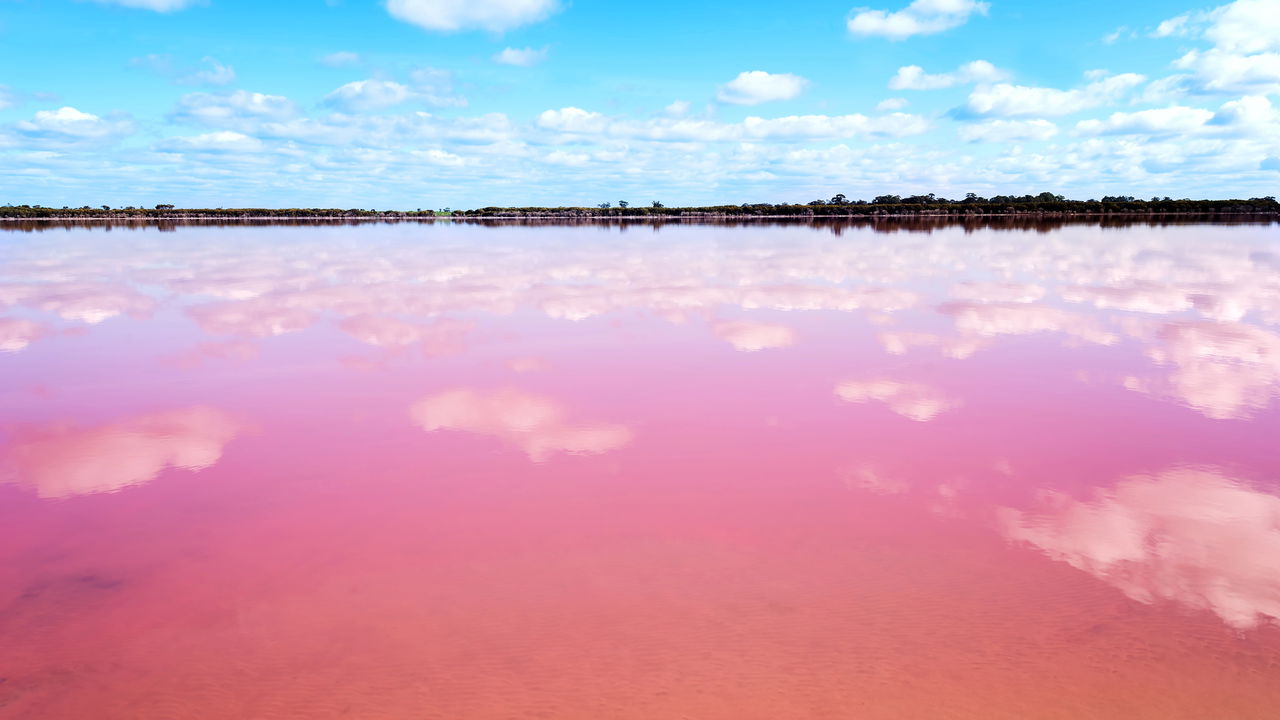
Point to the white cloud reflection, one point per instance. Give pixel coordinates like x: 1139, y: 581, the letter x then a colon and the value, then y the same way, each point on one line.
x: 62, y: 462
x: 749, y: 336
x: 1193, y: 536
x: 536, y: 424
x: 914, y: 401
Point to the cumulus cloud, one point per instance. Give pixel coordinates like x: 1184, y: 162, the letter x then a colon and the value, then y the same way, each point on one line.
x: 62, y: 462
x: 992, y: 131
x: 1006, y: 100
x: 1216, y: 70
x: 892, y: 104
x: 1160, y: 121
x: 756, y: 86
x: 455, y: 15
x: 67, y: 124
x: 1245, y: 56
x: 521, y: 57
x: 536, y: 424
x: 922, y: 17
x: 913, y: 77
x: 1246, y: 26
x: 1197, y: 537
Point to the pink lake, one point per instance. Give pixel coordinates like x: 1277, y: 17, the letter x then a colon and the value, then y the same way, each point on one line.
x: 722, y: 472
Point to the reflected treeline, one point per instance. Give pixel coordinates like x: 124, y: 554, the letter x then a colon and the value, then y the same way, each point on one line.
x: 835, y: 225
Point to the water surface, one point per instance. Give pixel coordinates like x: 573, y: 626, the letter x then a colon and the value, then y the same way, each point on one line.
x: 767, y: 471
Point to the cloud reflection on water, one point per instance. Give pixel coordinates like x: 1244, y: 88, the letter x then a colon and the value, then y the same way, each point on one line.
x: 1193, y: 536
x: 538, y: 425
x: 60, y: 462
x: 911, y: 400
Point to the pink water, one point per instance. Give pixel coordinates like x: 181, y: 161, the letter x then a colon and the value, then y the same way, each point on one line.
x: 765, y: 471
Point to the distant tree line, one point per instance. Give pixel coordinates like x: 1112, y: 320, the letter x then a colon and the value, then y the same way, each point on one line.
x: 837, y: 206
x: 166, y: 211
x: 895, y: 205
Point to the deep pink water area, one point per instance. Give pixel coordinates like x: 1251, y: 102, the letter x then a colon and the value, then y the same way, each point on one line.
x: 764, y: 471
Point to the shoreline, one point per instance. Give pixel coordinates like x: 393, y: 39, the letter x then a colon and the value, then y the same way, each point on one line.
x: 692, y: 215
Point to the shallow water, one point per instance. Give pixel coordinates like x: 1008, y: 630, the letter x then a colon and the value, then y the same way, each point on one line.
x: 596, y: 471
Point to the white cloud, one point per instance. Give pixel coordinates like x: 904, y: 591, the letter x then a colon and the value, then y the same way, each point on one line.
x: 163, y: 6
x: 756, y: 86
x: 219, y: 141
x: 1246, y: 26
x: 233, y: 110
x: 435, y: 87
x: 891, y: 104
x: 429, y: 86
x: 7, y: 98
x: 678, y: 108
x: 572, y: 119
x: 834, y: 126
x: 1114, y: 36
x: 1174, y: 26
x: 68, y: 123
x: 791, y: 127
x: 922, y: 17
x: 1008, y: 131
x: 1160, y: 121
x: 1245, y: 56
x: 1217, y: 70
x: 913, y: 77
x: 215, y: 74
x: 520, y: 57
x: 1007, y: 100
x: 1249, y: 112
x: 210, y: 72
x: 564, y: 157
x: 455, y: 15
x: 368, y: 95
x: 340, y: 58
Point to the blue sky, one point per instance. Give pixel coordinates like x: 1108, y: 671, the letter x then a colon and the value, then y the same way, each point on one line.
x: 463, y: 103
